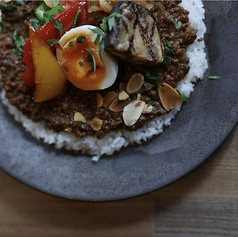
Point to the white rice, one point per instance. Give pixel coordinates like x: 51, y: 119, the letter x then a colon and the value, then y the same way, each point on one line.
x: 114, y: 141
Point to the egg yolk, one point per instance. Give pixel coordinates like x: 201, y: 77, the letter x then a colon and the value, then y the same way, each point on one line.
x: 82, y: 63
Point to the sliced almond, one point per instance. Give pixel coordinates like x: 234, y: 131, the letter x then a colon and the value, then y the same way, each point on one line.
x: 118, y: 105
x: 78, y: 117
x: 92, y: 9
x: 135, y: 83
x: 147, y: 109
x: 132, y: 112
x: 109, y: 98
x: 169, y: 97
x: 99, y: 100
x: 48, y: 3
x: 106, y: 5
x: 96, y: 124
x: 138, y: 96
x: 123, y: 95
x: 68, y: 129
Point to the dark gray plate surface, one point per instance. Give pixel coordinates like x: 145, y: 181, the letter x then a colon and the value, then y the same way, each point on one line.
x: 203, y: 123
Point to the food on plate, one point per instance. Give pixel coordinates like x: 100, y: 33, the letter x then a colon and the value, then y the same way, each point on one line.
x: 95, y: 76
x: 136, y: 36
x: 50, y: 79
x: 76, y: 44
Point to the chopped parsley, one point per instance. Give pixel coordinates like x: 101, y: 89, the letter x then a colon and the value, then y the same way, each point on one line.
x: 152, y: 76
x: 19, y: 43
x: 9, y: 9
x: 99, y: 39
x: 3, y: 26
x: 46, y: 14
x: 52, y: 42
x: 36, y: 23
x: 77, y: 16
x: 177, y: 24
x: 81, y: 63
x: 169, y: 43
x: 59, y: 26
x: 23, y: 15
x: 109, y: 22
x: 40, y: 10
x: 168, y: 52
x: 50, y: 14
x: 182, y: 95
x: 71, y: 43
x: 99, y: 34
x: 148, y: 88
x: 91, y: 58
x: 80, y: 39
x: 153, y: 79
x: 214, y: 77
x: 167, y: 60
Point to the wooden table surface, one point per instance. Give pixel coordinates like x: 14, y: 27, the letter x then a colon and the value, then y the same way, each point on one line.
x: 203, y: 203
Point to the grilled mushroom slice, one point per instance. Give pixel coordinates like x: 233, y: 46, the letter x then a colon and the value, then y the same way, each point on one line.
x: 135, y: 38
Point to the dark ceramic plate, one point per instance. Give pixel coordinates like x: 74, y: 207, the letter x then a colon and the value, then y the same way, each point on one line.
x: 203, y: 123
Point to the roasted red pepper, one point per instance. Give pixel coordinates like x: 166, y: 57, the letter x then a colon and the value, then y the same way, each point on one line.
x: 48, y: 31
x: 29, y: 73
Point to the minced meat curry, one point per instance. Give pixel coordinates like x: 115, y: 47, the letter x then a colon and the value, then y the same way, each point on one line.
x: 99, y: 116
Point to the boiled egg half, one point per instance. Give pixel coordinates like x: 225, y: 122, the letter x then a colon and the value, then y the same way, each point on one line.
x: 83, y: 59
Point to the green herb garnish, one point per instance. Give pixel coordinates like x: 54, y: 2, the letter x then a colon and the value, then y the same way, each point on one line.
x: 19, y: 43
x: 168, y: 52
x: 52, y: 42
x: 71, y: 43
x: 77, y: 16
x: 99, y: 34
x: 50, y: 14
x: 152, y: 76
x: 3, y: 26
x: 36, y: 23
x: 214, y: 77
x: 167, y: 60
x: 182, y: 95
x: 97, y: 31
x: 148, y: 88
x: 23, y: 15
x: 59, y: 26
x: 109, y: 22
x: 81, y: 63
x: 46, y: 14
x: 9, y: 9
x: 91, y: 58
x: 169, y: 43
x: 40, y: 10
x: 99, y: 39
x: 177, y: 24
x: 80, y: 39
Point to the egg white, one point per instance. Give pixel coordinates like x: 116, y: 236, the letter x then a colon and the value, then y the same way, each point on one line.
x: 110, y: 62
